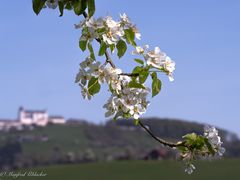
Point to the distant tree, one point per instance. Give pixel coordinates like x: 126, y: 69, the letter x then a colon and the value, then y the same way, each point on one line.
x: 9, y: 153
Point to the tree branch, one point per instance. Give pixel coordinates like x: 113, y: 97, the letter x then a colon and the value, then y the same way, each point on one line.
x: 108, y: 58
x: 165, y: 143
x: 130, y: 74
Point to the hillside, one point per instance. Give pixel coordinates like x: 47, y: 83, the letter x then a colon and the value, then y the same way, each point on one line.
x: 77, y: 142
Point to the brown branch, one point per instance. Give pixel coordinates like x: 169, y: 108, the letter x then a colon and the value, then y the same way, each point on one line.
x: 130, y: 74
x: 165, y: 143
x: 108, y: 58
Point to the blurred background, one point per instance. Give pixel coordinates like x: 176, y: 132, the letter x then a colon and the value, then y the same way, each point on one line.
x: 39, y: 58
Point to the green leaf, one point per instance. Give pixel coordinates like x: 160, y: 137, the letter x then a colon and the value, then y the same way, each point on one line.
x: 91, y: 7
x: 192, y: 136
x: 60, y: 7
x: 154, y: 75
x: 127, y: 115
x: 102, y: 48
x: 209, y: 146
x: 121, y: 47
x: 112, y: 47
x: 38, y: 5
x: 90, y: 48
x: 129, y: 35
x: 143, y: 75
x: 136, y: 121
x: 79, y: 6
x: 101, y: 30
x: 93, y: 86
x: 134, y: 84
x: 139, y: 61
x: 137, y: 69
x: 156, y: 84
x: 182, y: 148
x: 83, y: 45
x: 68, y: 6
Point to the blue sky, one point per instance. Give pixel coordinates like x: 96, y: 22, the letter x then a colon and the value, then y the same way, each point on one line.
x: 39, y: 57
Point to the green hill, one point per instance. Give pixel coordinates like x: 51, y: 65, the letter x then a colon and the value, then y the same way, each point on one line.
x: 77, y: 142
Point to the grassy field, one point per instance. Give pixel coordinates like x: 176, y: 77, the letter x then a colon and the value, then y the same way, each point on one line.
x: 140, y: 170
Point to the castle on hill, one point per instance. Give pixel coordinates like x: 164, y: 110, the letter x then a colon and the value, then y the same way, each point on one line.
x: 29, y: 118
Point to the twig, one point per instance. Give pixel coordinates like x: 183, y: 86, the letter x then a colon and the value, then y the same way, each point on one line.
x: 129, y: 74
x: 165, y: 143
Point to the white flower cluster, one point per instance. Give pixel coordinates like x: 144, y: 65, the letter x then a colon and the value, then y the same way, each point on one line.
x: 107, y: 29
x: 190, y: 168
x: 156, y: 59
x: 125, y: 101
x: 132, y: 102
x: 211, y: 133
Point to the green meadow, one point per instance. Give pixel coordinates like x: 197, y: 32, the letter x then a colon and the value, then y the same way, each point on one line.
x: 139, y: 170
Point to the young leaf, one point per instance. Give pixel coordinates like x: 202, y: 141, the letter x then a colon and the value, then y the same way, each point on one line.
x: 68, y: 6
x: 93, y: 86
x: 129, y: 34
x: 91, y: 7
x: 60, y: 7
x: 154, y: 75
x: 83, y: 45
x: 143, y: 75
x: 121, y: 47
x: 209, y: 146
x: 112, y: 47
x: 134, y: 84
x: 102, y: 48
x: 90, y: 48
x: 156, y: 84
x: 38, y: 5
x: 79, y: 6
x: 136, y: 121
x: 137, y: 69
x: 139, y: 61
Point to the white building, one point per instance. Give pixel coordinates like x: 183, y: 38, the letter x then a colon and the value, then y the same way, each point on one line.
x: 56, y: 120
x: 6, y: 124
x: 29, y: 117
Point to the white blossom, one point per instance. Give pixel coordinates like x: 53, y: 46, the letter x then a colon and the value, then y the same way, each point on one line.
x: 83, y: 76
x: 169, y: 67
x: 136, y: 32
x: 111, y: 106
x: 137, y: 111
x: 125, y: 19
x: 85, y: 93
x: 189, y: 169
x: 140, y: 50
x: 155, y: 58
x: 95, y: 24
x: 211, y: 133
x: 110, y: 38
x: 86, y: 63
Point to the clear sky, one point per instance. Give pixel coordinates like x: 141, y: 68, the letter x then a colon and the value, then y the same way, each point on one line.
x: 39, y: 58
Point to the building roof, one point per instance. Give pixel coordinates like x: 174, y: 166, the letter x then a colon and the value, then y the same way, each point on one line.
x: 35, y: 111
x: 21, y: 108
x: 56, y: 117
